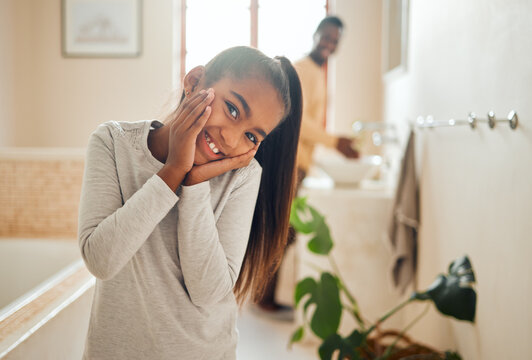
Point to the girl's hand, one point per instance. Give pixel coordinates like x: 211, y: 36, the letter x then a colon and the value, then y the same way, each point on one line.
x: 190, y: 118
x: 212, y: 169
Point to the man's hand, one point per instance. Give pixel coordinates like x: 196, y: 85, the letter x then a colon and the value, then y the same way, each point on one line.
x: 345, y: 146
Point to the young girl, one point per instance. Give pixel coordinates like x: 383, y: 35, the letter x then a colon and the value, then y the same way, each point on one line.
x: 179, y: 221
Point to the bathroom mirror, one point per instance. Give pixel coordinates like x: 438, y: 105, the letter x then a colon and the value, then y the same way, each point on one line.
x: 395, y: 36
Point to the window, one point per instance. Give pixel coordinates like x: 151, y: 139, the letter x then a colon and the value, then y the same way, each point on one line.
x: 214, y: 25
x: 286, y: 26
x: 283, y: 27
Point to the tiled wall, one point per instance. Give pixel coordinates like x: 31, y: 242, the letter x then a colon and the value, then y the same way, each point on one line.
x: 39, y: 195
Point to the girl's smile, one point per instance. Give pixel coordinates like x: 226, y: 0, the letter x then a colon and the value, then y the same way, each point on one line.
x: 209, y: 147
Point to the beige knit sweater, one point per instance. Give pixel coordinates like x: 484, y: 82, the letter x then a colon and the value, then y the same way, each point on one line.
x: 165, y: 263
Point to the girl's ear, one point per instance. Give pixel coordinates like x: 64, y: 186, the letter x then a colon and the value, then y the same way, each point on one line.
x: 193, y: 80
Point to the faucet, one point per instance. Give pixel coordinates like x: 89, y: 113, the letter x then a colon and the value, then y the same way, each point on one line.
x: 359, y: 126
x: 383, y: 133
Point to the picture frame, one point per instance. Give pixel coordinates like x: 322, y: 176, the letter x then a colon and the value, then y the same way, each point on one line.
x: 395, y: 37
x: 101, y: 28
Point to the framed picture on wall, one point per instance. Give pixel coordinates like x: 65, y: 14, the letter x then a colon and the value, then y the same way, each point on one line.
x: 101, y: 28
x: 395, y: 36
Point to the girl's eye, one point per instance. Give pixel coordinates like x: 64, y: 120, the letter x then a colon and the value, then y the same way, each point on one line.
x: 233, y: 111
x: 252, y: 137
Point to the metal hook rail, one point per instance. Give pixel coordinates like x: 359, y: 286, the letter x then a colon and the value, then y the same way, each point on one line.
x: 472, y: 120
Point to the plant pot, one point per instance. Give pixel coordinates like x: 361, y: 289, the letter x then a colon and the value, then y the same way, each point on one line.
x: 405, y: 349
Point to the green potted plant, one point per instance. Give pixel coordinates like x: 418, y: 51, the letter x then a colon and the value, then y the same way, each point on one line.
x: 452, y: 294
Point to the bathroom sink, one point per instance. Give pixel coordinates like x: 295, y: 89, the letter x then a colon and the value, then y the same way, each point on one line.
x: 345, y: 171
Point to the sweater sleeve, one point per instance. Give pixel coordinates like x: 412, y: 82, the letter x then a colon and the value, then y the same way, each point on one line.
x: 110, y: 232
x: 211, y: 252
x: 313, y: 133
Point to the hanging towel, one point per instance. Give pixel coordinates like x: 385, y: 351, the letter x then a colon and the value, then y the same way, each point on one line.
x: 403, y: 227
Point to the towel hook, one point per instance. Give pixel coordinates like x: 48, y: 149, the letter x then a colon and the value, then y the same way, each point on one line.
x: 512, y: 119
x: 472, y: 120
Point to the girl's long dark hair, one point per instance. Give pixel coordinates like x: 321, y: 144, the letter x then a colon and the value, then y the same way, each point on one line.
x: 276, y: 155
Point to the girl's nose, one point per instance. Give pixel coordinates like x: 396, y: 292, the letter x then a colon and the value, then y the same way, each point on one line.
x: 231, y: 137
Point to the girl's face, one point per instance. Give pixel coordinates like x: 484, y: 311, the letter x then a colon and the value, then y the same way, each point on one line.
x: 243, y: 113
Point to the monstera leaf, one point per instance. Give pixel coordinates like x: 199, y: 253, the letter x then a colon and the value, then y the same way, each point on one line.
x: 347, y: 346
x: 453, y: 294
x: 307, y: 220
x: 326, y: 296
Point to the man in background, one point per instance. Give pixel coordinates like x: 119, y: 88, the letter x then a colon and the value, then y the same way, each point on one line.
x: 312, y: 73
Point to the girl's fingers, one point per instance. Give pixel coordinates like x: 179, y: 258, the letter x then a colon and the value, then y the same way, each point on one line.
x: 194, y: 109
x: 188, y: 104
x: 198, y: 113
x: 200, y: 122
x: 214, y: 168
x: 240, y: 160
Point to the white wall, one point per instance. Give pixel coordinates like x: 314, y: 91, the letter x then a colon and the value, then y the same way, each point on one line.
x: 54, y: 101
x: 476, y: 196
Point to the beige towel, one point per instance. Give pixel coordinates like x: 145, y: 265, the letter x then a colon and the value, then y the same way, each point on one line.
x: 403, y: 228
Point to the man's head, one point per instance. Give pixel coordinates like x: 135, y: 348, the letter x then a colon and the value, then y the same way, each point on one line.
x: 326, y: 38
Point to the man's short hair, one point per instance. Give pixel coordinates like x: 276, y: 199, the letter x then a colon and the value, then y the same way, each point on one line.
x: 330, y: 20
